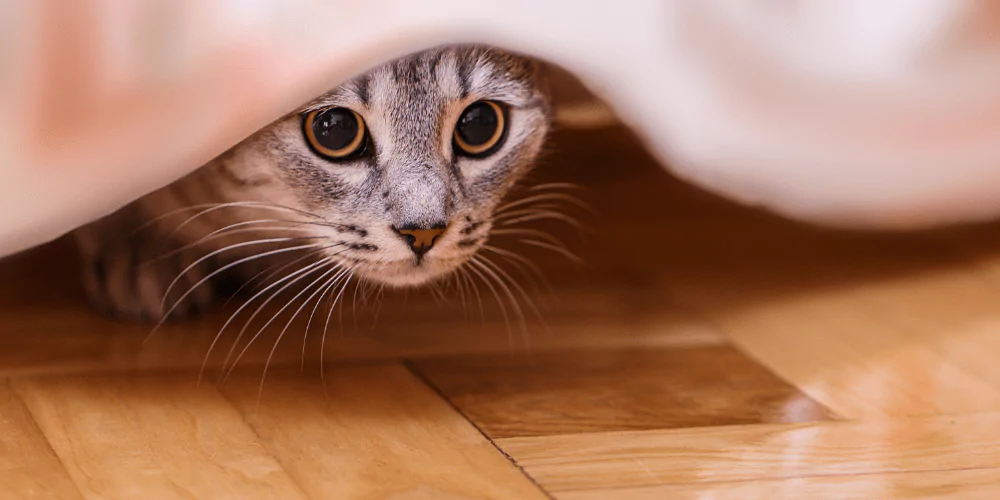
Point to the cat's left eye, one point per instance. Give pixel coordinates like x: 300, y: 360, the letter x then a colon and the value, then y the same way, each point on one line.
x: 480, y: 129
x: 335, y: 133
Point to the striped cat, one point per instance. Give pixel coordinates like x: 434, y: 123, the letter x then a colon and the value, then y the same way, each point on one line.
x: 394, y: 177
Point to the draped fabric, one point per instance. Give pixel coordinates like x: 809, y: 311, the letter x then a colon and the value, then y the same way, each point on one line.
x: 847, y: 112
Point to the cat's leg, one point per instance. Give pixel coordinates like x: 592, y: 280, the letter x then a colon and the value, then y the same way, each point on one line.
x: 127, y: 273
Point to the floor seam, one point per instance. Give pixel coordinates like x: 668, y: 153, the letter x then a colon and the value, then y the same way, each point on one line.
x: 411, y: 367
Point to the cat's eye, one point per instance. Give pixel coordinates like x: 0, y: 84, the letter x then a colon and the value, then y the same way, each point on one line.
x: 480, y: 129
x: 335, y: 133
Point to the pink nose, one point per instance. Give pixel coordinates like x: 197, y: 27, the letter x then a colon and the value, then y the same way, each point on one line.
x: 421, y: 240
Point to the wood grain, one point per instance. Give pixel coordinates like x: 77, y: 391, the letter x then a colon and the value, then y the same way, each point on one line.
x: 547, y: 394
x: 66, y: 336
x: 755, y: 452
x: 28, y: 466
x: 980, y: 484
x: 871, y: 327
x: 374, y: 432
x: 152, y: 436
x: 621, y: 395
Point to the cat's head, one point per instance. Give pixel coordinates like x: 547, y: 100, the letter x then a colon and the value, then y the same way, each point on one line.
x: 407, y: 163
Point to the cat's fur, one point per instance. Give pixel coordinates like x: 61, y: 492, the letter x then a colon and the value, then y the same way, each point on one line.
x: 347, y: 210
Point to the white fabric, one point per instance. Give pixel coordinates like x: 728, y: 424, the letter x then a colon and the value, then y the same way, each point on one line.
x: 846, y: 112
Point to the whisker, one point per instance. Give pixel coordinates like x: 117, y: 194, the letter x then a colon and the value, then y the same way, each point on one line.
x: 370, y: 291
x: 322, y: 346
x: 477, y: 260
x: 232, y: 317
x: 298, y: 275
x: 205, y: 206
x: 522, y: 231
x: 211, y: 275
x: 460, y: 290
x: 523, y: 264
x: 260, y: 205
x: 378, y: 304
x: 329, y: 285
x: 475, y: 290
x: 354, y: 302
x: 273, y: 270
x: 224, y: 232
x: 173, y: 283
x: 555, y: 248
x: 573, y: 200
x: 496, y: 295
x: 277, y: 341
x: 558, y: 185
x: 171, y: 213
x: 526, y: 209
x: 542, y: 215
x: 524, y: 295
x: 436, y: 292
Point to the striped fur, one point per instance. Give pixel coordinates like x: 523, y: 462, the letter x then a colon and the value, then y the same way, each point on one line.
x: 414, y: 179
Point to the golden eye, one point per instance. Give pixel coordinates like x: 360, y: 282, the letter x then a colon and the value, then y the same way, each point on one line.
x: 335, y: 133
x: 480, y: 129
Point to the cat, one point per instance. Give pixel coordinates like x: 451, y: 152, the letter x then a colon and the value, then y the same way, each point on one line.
x: 394, y: 177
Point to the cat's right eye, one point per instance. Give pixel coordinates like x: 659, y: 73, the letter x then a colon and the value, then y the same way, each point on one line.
x: 335, y: 133
x: 480, y: 129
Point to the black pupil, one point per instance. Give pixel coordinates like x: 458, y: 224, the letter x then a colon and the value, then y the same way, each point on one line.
x: 478, y: 124
x: 335, y: 129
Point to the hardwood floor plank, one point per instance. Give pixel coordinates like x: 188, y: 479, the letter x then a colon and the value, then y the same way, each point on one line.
x: 152, y: 436
x: 898, y: 332
x: 871, y: 325
x: 758, y: 452
x: 885, y: 345
x: 28, y: 466
x: 955, y: 309
x: 980, y: 484
x: 576, y: 392
x: 375, y: 432
x: 70, y: 338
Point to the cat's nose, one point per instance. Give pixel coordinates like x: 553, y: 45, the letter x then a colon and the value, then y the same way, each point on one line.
x: 420, y: 239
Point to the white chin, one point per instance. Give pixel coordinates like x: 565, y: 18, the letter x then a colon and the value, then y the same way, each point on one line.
x: 407, y: 275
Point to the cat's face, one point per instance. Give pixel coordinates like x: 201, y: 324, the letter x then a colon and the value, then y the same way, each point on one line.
x: 407, y: 162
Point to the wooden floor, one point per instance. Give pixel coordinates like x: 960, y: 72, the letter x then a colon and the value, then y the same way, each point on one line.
x: 707, y: 351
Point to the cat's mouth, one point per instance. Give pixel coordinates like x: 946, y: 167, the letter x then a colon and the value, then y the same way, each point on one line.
x: 406, y: 272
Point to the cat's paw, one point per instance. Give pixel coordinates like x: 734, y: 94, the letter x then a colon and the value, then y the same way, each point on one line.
x: 128, y: 283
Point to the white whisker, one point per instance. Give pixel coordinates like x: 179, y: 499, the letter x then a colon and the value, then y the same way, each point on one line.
x: 477, y: 260
x: 277, y: 341
x: 244, y: 244
x: 218, y: 234
x: 475, y: 289
x: 233, y: 316
x: 460, y: 290
x: 211, y: 275
x: 322, y: 346
x: 246, y: 204
x: 298, y: 275
x: 558, y: 185
x: 378, y: 303
x: 275, y: 269
x: 521, y: 231
x: 542, y: 215
x: 546, y: 197
x: 524, y: 295
x: 496, y: 295
x: 329, y: 285
x: 524, y: 265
